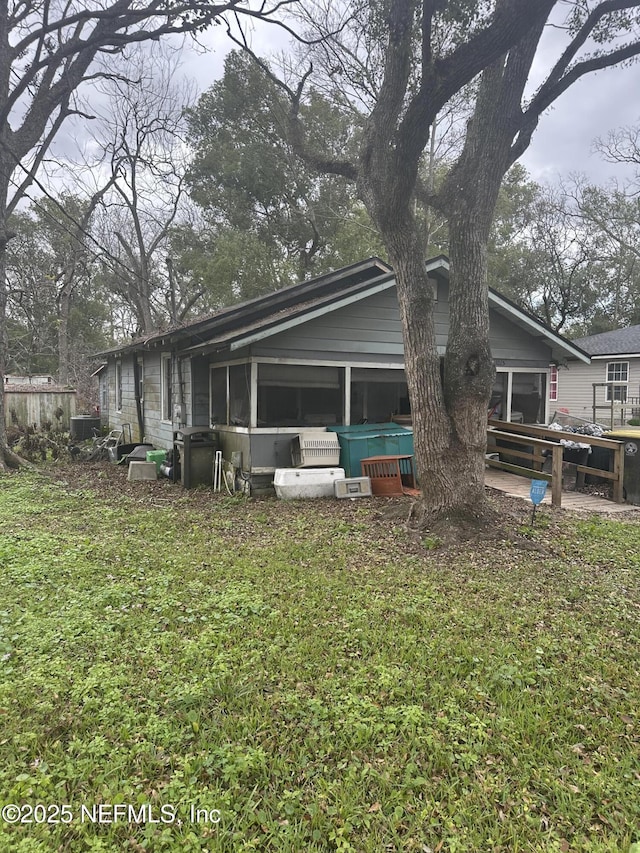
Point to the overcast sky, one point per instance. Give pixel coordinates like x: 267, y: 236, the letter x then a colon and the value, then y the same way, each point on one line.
x: 561, y: 146
x: 563, y: 142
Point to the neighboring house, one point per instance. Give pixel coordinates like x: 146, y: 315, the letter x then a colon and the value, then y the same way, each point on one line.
x: 323, y: 352
x: 36, y: 401
x: 610, y: 383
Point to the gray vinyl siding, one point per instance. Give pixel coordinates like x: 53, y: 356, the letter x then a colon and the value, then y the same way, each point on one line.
x: 513, y: 346
x: 575, y: 387
x: 371, y: 330
x: 363, y: 331
x: 127, y: 414
x: 156, y: 431
x: 103, y: 396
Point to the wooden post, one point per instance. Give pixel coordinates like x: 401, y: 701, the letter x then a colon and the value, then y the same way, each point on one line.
x: 556, y: 476
x: 618, y: 470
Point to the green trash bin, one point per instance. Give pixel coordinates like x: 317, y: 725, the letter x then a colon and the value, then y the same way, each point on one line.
x: 631, y: 438
x: 361, y: 441
x: 157, y: 456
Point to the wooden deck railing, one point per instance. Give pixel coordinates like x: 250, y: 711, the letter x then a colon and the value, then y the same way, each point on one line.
x: 543, y: 442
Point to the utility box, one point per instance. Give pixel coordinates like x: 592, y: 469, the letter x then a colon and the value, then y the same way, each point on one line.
x: 194, y: 449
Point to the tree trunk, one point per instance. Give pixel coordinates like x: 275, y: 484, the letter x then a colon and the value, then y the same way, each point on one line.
x: 469, y: 369
x: 449, y: 408
x: 8, y: 459
x: 64, y: 309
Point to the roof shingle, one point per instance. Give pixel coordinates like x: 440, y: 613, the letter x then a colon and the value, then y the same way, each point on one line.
x: 618, y: 342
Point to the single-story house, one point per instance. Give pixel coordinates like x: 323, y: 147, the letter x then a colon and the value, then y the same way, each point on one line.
x: 37, y: 401
x: 319, y: 353
x: 607, y: 389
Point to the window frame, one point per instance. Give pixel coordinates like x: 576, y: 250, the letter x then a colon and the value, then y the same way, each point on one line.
x: 553, y: 383
x: 620, y: 385
x: 118, y: 386
x: 166, y: 387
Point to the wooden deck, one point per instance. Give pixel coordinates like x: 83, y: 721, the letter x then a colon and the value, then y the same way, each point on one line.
x: 518, y: 487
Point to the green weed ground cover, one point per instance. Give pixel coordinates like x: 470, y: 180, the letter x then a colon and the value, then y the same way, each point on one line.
x: 309, y: 676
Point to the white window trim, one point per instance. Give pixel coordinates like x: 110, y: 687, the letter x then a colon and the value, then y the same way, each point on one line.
x: 118, y: 386
x: 554, y: 384
x: 535, y: 370
x: 622, y: 383
x: 165, y: 365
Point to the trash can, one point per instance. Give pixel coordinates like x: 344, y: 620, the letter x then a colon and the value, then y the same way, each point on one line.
x: 631, y: 438
x: 571, y: 458
x: 157, y: 456
x: 194, y: 451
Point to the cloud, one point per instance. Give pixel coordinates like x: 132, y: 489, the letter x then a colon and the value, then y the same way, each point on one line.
x: 591, y: 108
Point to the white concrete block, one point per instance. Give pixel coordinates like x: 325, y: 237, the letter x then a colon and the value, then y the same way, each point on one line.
x: 142, y: 471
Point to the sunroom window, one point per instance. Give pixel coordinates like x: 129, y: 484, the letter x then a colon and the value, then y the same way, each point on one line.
x: 300, y: 395
x: 378, y: 394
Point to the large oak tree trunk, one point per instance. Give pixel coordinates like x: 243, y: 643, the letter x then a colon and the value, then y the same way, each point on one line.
x: 449, y: 397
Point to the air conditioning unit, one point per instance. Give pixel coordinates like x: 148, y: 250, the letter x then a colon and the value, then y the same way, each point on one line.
x: 314, y: 449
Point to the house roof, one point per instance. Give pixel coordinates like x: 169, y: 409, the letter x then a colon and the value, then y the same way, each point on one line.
x: 263, y: 309
x: 243, y: 324
x: 619, y: 342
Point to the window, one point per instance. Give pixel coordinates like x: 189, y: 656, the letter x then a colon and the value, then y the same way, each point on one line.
x: 166, y: 386
x: 617, y: 371
x: 553, y: 383
x: 239, y: 394
x: 377, y: 394
x: 118, y: 386
x: 218, y: 396
x: 300, y: 395
x: 140, y: 379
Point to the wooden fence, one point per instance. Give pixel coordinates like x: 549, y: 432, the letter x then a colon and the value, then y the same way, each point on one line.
x: 538, y: 444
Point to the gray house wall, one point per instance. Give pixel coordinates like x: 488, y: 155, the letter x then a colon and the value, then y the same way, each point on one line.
x: 126, y: 414
x: 368, y: 331
x: 371, y: 330
x: 156, y: 430
x: 512, y: 346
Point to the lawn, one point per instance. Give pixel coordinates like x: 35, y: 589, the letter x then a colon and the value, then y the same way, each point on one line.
x: 185, y: 672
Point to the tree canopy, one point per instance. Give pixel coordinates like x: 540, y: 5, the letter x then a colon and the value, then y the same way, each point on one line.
x: 262, y: 203
x: 48, y: 51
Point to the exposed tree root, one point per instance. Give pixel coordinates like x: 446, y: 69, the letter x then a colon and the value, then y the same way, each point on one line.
x: 484, y: 521
x: 10, y: 461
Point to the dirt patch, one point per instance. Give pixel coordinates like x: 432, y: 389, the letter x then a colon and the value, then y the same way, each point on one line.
x: 501, y: 521
x: 496, y: 522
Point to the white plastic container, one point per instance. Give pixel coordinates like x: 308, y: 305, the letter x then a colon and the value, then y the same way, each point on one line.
x: 291, y: 483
